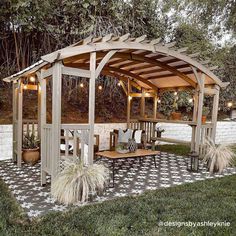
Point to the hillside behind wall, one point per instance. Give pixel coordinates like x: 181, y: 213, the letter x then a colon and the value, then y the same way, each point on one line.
x: 226, y: 133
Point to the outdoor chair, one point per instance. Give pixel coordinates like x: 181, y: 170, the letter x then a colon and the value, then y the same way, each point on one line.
x: 114, y: 139
x: 78, y: 143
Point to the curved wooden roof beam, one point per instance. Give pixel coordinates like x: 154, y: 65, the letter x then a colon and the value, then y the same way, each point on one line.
x: 135, y: 51
x: 158, y: 63
x: 141, y: 59
x: 112, y: 71
x: 128, y: 73
x: 121, y: 77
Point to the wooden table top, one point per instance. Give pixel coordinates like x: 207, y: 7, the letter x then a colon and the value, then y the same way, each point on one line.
x: 116, y: 155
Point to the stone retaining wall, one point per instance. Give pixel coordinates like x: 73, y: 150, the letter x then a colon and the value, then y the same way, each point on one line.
x: 226, y: 133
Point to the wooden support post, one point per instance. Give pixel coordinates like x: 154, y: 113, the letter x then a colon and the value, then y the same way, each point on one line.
x: 14, y: 118
x: 39, y: 109
x: 56, y: 118
x: 142, y: 105
x: 155, y: 100
x: 19, y: 122
x: 91, y: 107
x: 193, y: 138
x: 195, y: 104
x: 43, y: 121
x: 215, y: 112
x: 128, y: 103
x: 199, y: 113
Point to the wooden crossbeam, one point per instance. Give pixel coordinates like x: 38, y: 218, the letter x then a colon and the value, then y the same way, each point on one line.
x: 184, y: 49
x: 141, y: 38
x: 124, y: 72
x: 170, y: 45
x: 205, y: 62
x: 124, y: 37
x: 155, y: 41
x: 88, y: 40
x: 193, y: 55
x: 213, y: 68
x: 107, y: 38
x: 153, y: 69
x: 75, y: 72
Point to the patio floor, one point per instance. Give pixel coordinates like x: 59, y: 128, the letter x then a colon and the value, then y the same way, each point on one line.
x: 131, y: 178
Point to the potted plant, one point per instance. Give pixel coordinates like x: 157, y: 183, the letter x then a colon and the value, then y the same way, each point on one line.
x: 30, y: 148
x: 159, y: 131
x: 78, y: 182
x: 218, y: 157
x: 205, y: 112
x: 122, y: 148
x: 175, y: 115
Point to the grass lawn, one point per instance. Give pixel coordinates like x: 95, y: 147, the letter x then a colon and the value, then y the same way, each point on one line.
x: 210, y: 200
x: 182, y: 150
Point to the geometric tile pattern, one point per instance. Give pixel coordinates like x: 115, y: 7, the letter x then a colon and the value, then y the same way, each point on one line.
x: 131, y: 178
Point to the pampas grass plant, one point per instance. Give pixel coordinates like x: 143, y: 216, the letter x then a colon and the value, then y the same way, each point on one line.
x: 218, y: 157
x: 77, y: 181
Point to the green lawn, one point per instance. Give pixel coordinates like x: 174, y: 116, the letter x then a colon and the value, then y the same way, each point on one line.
x: 182, y: 150
x: 210, y: 200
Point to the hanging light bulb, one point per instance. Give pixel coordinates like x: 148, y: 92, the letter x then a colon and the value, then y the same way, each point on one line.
x: 32, y: 79
x: 100, y: 87
x: 81, y: 85
x: 147, y: 94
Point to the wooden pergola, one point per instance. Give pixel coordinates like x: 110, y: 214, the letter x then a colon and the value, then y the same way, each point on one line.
x: 149, y: 66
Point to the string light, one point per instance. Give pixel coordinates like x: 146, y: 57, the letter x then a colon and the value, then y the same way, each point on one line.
x: 81, y: 85
x: 190, y: 100
x: 25, y: 86
x: 32, y: 79
x: 230, y: 104
x: 175, y: 93
x: 159, y: 101
x: 147, y: 94
x: 119, y: 84
x: 100, y: 87
x: 130, y: 98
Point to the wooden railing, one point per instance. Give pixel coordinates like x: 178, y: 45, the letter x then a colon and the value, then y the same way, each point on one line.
x: 206, y: 134
x: 135, y: 124
x: 75, y: 139
x: 74, y: 143
x: 46, y: 147
x: 30, y: 126
x: 149, y: 126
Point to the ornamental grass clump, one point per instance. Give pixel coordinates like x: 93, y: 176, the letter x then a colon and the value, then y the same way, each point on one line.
x: 218, y: 157
x: 77, y: 182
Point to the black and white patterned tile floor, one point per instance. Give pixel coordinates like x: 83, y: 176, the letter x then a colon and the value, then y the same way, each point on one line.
x: 131, y: 178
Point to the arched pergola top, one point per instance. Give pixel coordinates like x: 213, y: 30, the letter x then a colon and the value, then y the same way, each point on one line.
x: 151, y: 64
